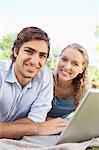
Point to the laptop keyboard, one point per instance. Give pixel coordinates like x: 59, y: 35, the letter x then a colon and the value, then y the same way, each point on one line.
x: 42, y: 140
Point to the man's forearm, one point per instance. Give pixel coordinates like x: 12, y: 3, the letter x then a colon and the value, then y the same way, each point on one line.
x: 17, y: 129
x: 20, y: 128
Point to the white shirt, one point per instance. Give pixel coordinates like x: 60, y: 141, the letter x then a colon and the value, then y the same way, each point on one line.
x: 33, y: 101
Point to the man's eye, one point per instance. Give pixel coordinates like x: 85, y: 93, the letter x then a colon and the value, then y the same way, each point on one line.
x: 29, y: 52
x: 43, y: 56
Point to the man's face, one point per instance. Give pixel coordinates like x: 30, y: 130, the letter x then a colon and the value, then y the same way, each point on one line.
x: 30, y: 59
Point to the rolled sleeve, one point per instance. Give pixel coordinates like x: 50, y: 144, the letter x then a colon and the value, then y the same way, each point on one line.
x: 42, y: 104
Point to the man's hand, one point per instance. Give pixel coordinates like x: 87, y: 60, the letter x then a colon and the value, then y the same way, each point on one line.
x: 52, y: 126
x: 22, y: 127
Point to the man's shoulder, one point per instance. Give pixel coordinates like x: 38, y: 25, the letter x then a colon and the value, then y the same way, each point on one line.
x: 4, y: 65
x: 46, y: 70
x: 4, y: 68
x: 45, y: 73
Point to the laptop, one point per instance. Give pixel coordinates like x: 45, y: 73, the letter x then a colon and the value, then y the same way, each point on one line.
x: 84, y: 125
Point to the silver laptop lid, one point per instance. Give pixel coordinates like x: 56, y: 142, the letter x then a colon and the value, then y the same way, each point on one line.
x: 85, y: 123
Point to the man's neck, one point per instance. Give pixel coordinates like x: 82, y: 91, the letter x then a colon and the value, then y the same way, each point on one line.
x: 21, y: 79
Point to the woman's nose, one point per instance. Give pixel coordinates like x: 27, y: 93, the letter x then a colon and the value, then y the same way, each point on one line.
x: 67, y: 65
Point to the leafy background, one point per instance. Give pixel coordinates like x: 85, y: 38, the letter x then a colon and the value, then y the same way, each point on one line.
x: 5, y: 53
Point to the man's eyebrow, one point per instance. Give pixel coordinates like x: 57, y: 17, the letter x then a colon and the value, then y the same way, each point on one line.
x: 30, y: 48
x: 43, y: 53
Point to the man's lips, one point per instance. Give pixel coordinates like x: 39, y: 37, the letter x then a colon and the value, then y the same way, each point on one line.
x: 31, y: 68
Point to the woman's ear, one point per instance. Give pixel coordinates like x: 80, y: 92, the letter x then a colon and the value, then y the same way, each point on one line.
x: 81, y: 71
x: 83, y: 68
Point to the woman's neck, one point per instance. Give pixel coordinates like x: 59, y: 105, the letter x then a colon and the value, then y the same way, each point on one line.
x: 64, y: 84
x: 64, y: 89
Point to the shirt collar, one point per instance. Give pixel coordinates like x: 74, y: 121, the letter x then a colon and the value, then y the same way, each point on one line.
x: 11, y: 78
x: 11, y: 75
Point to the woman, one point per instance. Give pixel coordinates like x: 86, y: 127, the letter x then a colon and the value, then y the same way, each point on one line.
x: 71, y: 80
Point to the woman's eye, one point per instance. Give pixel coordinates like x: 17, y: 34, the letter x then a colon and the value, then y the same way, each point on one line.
x: 75, y: 64
x: 64, y: 59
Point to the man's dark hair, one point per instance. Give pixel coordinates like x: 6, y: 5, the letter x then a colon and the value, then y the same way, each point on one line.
x: 28, y: 34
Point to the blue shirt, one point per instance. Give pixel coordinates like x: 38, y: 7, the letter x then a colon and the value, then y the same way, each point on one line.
x: 62, y: 107
x: 33, y: 101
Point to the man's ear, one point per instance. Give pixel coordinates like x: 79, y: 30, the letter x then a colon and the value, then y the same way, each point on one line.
x: 15, y: 52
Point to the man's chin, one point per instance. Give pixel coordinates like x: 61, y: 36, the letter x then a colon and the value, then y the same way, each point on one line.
x: 31, y: 75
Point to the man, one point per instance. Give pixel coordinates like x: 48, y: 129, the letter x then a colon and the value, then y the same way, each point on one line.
x: 26, y: 88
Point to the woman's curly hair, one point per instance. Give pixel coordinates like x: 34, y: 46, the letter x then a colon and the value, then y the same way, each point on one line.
x: 81, y: 82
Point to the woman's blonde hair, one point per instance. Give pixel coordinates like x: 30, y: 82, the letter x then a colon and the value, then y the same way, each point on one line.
x: 81, y: 82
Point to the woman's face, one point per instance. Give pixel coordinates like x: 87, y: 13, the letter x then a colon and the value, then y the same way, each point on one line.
x: 70, y: 64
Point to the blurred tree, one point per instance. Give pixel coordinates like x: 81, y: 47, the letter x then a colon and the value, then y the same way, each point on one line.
x: 97, y: 31
x: 97, y: 36
x: 6, y: 45
x: 94, y: 72
x: 52, y: 60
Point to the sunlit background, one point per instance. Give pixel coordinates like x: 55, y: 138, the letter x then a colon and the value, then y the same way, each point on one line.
x: 66, y: 21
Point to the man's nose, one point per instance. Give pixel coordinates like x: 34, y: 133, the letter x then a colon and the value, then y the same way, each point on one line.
x: 35, y: 59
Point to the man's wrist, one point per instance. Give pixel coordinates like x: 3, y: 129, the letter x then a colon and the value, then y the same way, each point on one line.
x: 70, y: 115
x: 1, y: 128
